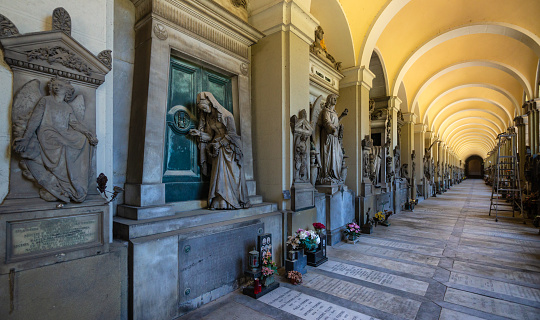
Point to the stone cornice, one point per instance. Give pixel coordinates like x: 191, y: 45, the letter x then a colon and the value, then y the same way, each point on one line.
x: 204, y: 18
x: 357, y: 76
x: 54, y: 53
x: 286, y: 16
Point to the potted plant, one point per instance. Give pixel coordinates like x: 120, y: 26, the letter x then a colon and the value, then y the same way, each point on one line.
x: 352, y: 231
x: 268, y: 269
x: 387, y: 215
x: 379, y: 218
x: 367, y: 227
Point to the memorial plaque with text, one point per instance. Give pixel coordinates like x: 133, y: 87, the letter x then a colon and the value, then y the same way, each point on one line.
x: 38, y: 237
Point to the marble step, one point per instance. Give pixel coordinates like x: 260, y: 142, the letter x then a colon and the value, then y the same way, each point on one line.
x: 128, y: 229
x: 255, y: 199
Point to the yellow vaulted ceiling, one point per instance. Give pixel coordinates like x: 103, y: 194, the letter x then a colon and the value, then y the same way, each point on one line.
x: 466, y: 66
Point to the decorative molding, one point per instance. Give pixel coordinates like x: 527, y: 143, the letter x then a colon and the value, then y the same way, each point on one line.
x: 160, y: 32
x: 240, y: 3
x: 105, y: 57
x: 52, y: 71
x: 203, y: 19
x: 61, y: 20
x: 7, y: 28
x: 60, y: 55
x: 323, y: 74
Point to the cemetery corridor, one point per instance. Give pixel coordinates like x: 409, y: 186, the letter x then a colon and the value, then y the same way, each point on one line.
x: 446, y: 260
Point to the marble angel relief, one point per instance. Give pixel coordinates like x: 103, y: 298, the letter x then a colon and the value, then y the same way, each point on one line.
x: 221, y: 147
x: 55, y: 148
x: 327, y: 140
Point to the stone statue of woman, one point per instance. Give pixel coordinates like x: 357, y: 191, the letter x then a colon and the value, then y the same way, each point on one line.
x: 220, y: 146
x: 331, y: 147
x: 55, y: 147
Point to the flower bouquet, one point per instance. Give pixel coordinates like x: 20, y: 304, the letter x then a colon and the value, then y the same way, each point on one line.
x: 319, y: 227
x: 352, y: 231
x: 268, y: 269
x: 307, y: 239
x: 379, y: 218
x: 294, y: 277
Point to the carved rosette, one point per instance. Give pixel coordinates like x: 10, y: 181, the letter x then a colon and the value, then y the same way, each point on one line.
x: 160, y: 32
x: 7, y: 28
x: 61, y: 20
x: 105, y: 57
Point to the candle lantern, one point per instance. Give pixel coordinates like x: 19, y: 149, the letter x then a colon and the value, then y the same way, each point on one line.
x: 254, y: 260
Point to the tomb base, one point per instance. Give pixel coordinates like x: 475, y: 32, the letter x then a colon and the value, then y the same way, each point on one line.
x: 168, y: 254
x: 339, y: 210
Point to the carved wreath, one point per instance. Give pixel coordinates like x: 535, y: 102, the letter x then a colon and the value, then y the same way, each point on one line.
x: 60, y: 55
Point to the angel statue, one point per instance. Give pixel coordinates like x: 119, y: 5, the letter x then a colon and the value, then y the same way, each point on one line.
x: 327, y: 137
x: 55, y: 147
x: 222, y: 147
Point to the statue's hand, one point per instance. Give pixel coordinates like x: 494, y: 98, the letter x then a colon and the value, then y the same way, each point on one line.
x: 91, y: 138
x: 20, y: 144
x: 195, y: 133
x: 345, y: 112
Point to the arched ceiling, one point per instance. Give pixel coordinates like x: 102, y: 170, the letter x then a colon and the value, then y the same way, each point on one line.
x: 463, y: 66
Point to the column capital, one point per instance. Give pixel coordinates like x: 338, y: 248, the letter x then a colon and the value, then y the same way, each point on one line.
x: 285, y: 15
x: 410, y: 117
x: 394, y: 104
x: 420, y: 128
x: 357, y: 76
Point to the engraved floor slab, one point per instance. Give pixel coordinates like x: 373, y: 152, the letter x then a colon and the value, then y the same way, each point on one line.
x: 383, y: 263
x: 308, y: 307
x: 377, y: 277
x: 447, y: 314
x: 393, y: 253
x: 491, y: 305
x: 495, y: 272
x: 406, y: 308
x: 401, y: 245
x: 496, y: 286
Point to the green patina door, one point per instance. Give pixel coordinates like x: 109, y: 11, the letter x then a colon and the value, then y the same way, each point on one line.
x: 181, y: 172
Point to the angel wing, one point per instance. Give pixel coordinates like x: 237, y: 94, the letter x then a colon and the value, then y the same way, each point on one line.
x: 24, y: 103
x: 78, y: 107
x: 315, y: 120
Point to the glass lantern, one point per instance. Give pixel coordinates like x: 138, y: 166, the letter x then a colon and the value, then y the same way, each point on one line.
x: 254, y: 260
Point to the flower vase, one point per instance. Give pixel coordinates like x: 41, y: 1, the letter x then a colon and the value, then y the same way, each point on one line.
x: 352, y: 237
x: 267, y: 281
x: 311, y: 246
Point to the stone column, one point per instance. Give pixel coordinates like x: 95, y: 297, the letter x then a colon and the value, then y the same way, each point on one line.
x: 354, y: 95
x: 439, y: 165
x: 419, y: 147
x: 407, y: 146
x: 280, y: 89
x: 521, y: 148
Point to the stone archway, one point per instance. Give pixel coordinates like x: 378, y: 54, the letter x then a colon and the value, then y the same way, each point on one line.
x: 474, y: 167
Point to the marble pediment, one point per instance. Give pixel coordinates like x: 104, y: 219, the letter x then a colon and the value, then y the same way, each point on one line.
x: 56, y: 53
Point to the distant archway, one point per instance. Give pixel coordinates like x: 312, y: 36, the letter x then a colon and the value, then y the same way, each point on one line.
x: 474, y: 167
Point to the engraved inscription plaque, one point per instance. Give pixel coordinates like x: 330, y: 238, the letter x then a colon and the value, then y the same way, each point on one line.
x: 37, y: 237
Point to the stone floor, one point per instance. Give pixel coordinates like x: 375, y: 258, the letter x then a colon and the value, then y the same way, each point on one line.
x: 447, y: 260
